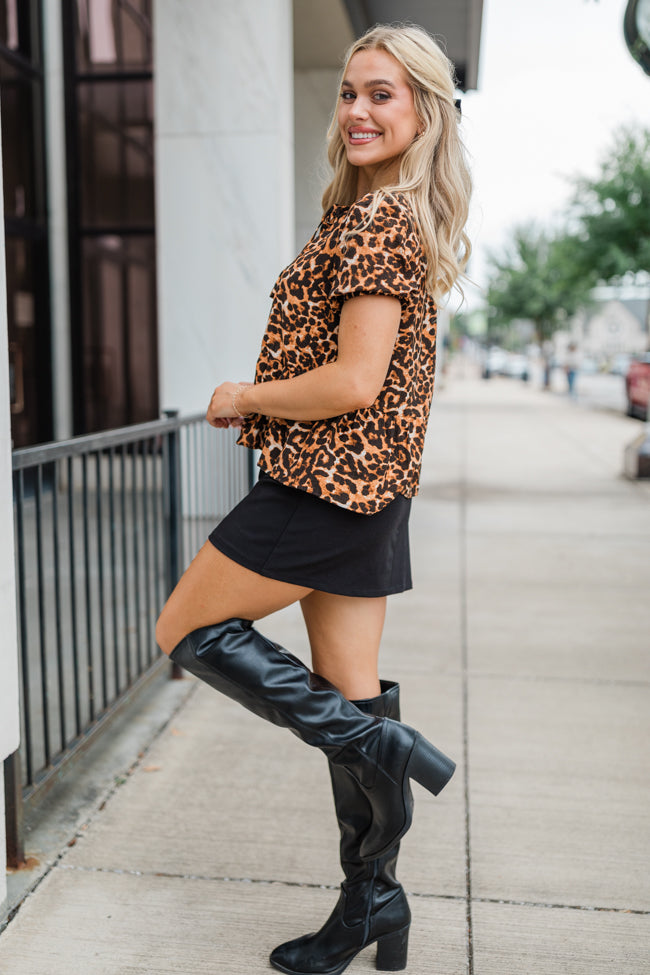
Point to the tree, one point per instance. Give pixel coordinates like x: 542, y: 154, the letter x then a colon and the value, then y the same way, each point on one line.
x: 612, y: 211
x: 548, y: 277
x: 537, y: 280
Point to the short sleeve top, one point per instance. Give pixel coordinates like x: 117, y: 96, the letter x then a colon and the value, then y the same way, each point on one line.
x: 363, y: 459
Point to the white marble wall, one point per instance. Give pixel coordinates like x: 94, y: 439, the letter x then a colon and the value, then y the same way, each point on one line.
x: 315, y: 100
x: 9, y: 722
x: 224, y: 185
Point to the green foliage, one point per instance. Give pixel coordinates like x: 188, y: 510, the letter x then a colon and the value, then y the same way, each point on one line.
x: 547, y: 277
x: 536, y: 280
x: 612, y: 212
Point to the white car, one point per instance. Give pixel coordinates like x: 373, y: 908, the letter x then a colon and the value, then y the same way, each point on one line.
x: 517, y: 366
x: 495, y: 360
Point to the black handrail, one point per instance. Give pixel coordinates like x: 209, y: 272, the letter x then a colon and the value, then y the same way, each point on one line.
x: 77, y: 446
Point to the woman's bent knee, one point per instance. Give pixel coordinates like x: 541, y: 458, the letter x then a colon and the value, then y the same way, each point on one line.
x: 213, y: 589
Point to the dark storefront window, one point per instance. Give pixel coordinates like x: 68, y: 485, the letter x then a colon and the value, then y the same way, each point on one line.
x: 116, y: 154
x: 119, y: 364
x: 109, y: 88
x: 25, y: 209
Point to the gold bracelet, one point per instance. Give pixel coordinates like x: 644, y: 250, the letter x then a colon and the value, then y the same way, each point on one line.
x: 234, y: 401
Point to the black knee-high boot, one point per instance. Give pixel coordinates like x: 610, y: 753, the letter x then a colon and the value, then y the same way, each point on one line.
x: 372, y: 905
x: 380, y: 753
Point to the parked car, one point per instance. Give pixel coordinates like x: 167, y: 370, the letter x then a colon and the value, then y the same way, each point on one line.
x: 494, y: 362
x: 637, y: 386
x: 516, y: 366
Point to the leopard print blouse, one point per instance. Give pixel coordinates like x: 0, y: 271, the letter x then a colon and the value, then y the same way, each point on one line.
x: 363, y: 459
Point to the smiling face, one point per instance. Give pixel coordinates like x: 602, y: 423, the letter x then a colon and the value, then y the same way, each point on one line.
x: 376, y: 117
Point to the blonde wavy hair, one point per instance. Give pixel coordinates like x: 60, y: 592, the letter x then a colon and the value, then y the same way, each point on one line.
x: 433, y: 173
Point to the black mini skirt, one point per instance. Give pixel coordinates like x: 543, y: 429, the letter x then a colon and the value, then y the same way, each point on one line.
x: 287, y: 534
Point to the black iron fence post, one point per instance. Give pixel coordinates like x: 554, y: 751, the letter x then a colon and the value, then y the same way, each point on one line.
x: 173, y: 514
x: 14, y: 811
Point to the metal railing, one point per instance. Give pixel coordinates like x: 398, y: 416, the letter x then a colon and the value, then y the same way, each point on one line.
x: 104, y: 526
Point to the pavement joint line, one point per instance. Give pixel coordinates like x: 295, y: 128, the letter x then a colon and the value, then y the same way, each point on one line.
x: 549, y: 906
x: 264, y: 881
x: 167, y: 875
x: 464, y: 630
x: 414, y: 895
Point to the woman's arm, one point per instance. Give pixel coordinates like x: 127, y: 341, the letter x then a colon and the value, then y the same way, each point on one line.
x: 366, y: 338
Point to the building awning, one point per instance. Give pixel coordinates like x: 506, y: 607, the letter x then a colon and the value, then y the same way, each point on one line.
x: 322, y: 31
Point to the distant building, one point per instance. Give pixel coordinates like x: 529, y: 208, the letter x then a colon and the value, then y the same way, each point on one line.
x: 620, y: 320
x: 614, y: 326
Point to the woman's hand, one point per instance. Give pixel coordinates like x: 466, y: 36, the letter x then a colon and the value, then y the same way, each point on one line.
x: 221, y: 411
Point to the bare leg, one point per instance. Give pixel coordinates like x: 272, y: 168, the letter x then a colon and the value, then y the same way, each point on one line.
x: 207, y: 622
x: 344, y: 635
x: 214, y: 589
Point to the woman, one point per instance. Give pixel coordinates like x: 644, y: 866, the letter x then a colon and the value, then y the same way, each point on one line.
x: 338, y: 410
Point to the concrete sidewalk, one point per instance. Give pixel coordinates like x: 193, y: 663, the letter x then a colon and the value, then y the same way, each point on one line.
x: 522, y: 652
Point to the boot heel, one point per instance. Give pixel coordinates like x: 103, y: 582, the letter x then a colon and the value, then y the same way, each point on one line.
x: 392, y: 950
x: 429, y: 767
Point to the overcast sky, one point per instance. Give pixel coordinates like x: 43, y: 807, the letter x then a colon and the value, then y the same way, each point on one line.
x: 555, y: 81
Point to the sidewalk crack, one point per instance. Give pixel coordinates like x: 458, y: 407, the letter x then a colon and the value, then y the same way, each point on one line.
x: 308, y: 885
x: 550, y: 906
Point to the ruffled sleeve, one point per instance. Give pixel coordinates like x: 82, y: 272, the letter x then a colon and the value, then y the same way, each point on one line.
x: 380, y: 256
